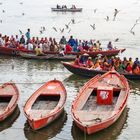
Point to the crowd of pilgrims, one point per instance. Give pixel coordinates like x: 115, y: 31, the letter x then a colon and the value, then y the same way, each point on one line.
x: 106, y: 64
x: 45, y: 44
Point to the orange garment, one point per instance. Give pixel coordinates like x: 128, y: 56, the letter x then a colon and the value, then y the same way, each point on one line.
x: 97, y: 64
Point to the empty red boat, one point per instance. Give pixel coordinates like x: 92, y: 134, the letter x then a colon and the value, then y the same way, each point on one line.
x: 46, y: 104
x: 100, y: 102
x: 9, y: 96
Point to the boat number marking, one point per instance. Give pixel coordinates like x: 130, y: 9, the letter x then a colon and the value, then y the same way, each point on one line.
x: 104, y: 95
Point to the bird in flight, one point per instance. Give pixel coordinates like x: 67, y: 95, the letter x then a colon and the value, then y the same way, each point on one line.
x: 93, y: 26
x: 116, y: 40
x: 95, y: 10
x: 107, y: 18
x: 73, y: 21
x: 55, y: 29
x: 20, y: 32
x: 61, y: 30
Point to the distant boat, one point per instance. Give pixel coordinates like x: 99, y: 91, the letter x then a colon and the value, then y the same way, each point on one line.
x: 16, y: 52
x: 100, y: 102
x: 47, y: 56
x: 67, y: 9
x: 9, y: 96
x: 84, y: 71
x: 46, y: 104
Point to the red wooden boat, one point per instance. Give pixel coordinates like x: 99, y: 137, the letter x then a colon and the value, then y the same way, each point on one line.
x: 100, y: 102
x: 84, y: 71
x: 9, y: 96
x: 101, y: 52
x: 46, y: 104
x: 16, y: 52
x: 12, y: 51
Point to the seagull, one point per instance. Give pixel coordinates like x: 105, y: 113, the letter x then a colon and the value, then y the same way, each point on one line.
x: 0, y: 3
x: 107, y: 18
x: 62, y: 30
x: 95, y: 11
x: 116, y: 40
x: 69, y: 31
x: 41, y: 32
x: 73, y: 21
x: 23, y: 14
x: 93, y: 26
x: 115, y: 13
x: 21, y: 3
x: 20, y: 32
x: 67, y: 26
x: 1, y: 21
x: 43, y: 28
x: 132, y: 32
x: 55, y: 29
x: 3, y: 11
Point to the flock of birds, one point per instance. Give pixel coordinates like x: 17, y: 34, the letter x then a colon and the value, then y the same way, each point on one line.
x: 67, y: 26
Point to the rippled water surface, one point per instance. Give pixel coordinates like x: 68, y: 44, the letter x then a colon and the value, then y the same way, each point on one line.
x: 29, y: 75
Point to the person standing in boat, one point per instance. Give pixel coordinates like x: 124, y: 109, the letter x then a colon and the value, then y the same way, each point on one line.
x: 71, y: 41
x: 137, y: 62
x: 28, y: 35
x: 110, y: 46
x: 62, y: 42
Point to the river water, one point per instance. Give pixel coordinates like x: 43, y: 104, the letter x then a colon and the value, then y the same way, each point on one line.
x: 29, y: 75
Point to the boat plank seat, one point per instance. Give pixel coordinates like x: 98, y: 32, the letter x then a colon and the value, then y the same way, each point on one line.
x: 92, y: 115
x: 50, y: 93
x: 38, y: 113
x: 120, y: 99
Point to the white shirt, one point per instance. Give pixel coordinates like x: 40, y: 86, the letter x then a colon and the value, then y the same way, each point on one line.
x: 30, y: 46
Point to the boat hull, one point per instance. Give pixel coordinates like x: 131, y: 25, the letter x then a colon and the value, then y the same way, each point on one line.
x: 38, y: 124
x: 91, y: 72
x: 47, y: 56
x: 67, y: 10
x: 16, y: 52
x: 45, y: 105
x: 95, y: 128
x: 12, y: 103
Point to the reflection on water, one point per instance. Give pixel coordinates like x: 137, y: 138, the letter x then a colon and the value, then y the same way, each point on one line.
x: 110, y: 133
x: 48, y: 132
x: 8, y: 122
